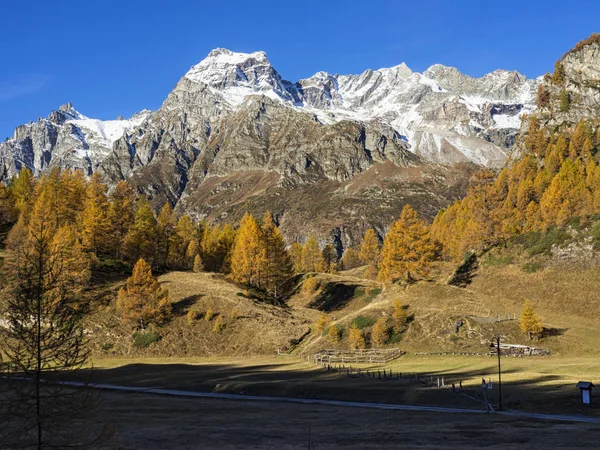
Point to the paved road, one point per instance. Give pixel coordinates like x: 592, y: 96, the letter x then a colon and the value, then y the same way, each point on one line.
x: 311, y: 401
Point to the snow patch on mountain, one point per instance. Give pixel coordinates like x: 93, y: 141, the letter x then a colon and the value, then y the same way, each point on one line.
x: 105, y: 132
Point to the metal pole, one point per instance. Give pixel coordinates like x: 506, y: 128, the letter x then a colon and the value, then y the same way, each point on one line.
x: 499, y: 379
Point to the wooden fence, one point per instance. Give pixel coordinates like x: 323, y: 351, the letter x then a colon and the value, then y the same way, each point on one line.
x: 357, y: 356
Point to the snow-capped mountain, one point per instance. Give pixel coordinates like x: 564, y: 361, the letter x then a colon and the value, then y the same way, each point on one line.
x: 234, y: 134
x: 445, y: 116
x: 66, y: 138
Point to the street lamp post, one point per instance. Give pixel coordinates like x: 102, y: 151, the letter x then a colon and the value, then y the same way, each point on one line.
x: 497, y: 345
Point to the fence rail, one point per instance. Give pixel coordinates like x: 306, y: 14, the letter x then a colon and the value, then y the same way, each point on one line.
x: 357, y: 356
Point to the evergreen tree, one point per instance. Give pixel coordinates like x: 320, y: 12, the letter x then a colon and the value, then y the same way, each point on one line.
x: 407, y: 250
x: 140, y: 241
x: 142, y: 301
x: 530, y: 322
x: 312, y: 258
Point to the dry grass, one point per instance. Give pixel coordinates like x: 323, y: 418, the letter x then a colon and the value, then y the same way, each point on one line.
x: 250, y: 326
x: 154, y: 422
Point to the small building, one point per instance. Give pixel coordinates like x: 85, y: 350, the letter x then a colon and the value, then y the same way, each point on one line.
x: 586, y: 391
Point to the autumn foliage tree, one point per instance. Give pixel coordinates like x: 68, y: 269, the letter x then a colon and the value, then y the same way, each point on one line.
x: 312, y: 258
x: 94, y: 218
x: 530, y: 322
x: 142, y: 301
x: 42, y: 333
x: 121, y: 216
x: 407, y: 249
x: 140, y: 241
x: 380, y: 332
x: 356, y: 339
x: 248, y: 255
x: 277, y: 267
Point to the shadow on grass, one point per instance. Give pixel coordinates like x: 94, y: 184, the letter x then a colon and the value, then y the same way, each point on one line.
x: 334, y: 296
x: 181, y: 307
x: 543, y: 393
x: 553, y: 332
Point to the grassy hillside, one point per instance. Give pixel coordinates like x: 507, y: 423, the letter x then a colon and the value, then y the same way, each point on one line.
x: 563, y: 292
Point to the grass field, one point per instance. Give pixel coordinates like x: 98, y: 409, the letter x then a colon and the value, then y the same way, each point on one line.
x: 158, y: 422
x: 535, y: 384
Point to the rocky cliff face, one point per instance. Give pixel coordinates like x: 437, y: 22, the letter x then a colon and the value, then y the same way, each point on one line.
x: 330, y: 154
x: 573, y: 91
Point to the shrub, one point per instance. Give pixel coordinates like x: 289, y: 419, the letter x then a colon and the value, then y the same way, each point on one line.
x: 144, y: 339
x: 234, y: 314
x: 596, y: 235
x: 322, y: 323
x: 193, y: 315
x: 532, y: 266
x: 356, y: 340
x: 209, y: 314
x: 334, y: 334
x: 539, y: 242
x: 399, y: 315
x: 361, y: 322
x: 219, y: 325
x: 372, y: 294
x: 310, y: 285
x: 381, y: 332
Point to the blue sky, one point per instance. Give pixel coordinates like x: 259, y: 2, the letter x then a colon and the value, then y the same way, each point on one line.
x: 117, y: 57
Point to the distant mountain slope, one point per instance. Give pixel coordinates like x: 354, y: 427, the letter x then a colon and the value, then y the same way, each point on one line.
x: 233, y: 131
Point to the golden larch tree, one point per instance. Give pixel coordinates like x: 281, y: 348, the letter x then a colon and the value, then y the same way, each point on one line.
x: 296, y: 256
x: 312, y: 258
x: 530, y: 322
x: 277, y: 267
x: 94, y: 218
x: 121, y: 216
x: 380, y: 332
x: 248, y: 254
x: 356, y: 340
x: 407, y: 249
x: 142, y: 301
x: 350, y: 259
x: 140, y: 241
x: 167, y: 236
x: 369, y: 248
